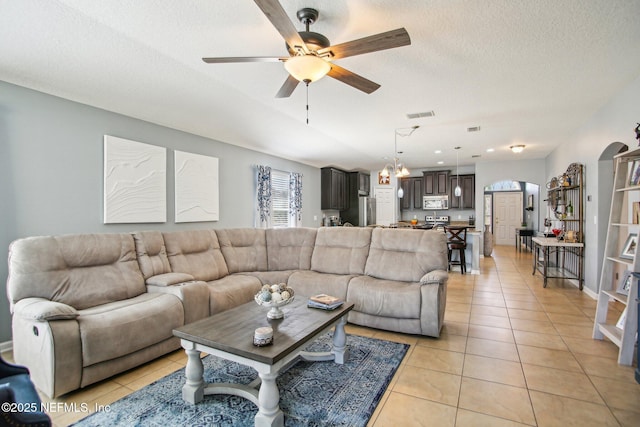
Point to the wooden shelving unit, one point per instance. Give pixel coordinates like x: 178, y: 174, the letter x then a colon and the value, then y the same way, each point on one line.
x: 621, y: 226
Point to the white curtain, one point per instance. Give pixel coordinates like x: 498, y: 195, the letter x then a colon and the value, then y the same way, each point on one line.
x: 295, y: 199
x: 263, y: 196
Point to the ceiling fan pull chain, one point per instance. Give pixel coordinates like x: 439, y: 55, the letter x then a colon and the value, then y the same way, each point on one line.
x: 307, y: 84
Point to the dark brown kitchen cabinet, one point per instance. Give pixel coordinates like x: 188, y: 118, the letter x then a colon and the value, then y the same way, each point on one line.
x: 412, y: 188
x: 407, y: 198
x: 435, y: 183
x: 333, y: 189
x: 468, y: 187
x: 364, y: 182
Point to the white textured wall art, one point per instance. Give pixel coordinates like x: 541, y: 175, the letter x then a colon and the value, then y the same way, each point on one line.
x: 197, y: 189
x: 135, y: 183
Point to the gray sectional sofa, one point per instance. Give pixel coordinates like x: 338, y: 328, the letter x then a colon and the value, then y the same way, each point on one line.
x: 88, y: 306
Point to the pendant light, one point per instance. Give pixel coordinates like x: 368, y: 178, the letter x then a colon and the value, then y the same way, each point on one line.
x: 458, y: 191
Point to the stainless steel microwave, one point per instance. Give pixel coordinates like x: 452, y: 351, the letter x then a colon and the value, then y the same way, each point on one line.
x: 435, y: 203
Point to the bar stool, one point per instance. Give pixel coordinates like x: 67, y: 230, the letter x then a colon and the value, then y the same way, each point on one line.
x: 457, y: 241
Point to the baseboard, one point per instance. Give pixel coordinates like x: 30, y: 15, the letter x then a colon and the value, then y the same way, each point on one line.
x: 6, y: 346
x: 586, y: 290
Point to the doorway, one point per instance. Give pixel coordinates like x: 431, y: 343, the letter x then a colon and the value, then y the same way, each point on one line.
x: 507, y: 212
x: 385, y: 206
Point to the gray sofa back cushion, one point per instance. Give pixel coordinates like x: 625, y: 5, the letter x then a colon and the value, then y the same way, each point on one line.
x: 81, y: 270
x: 244, y: 249
x: 407, y: 254
x: 196, y: 252
x: 290, y: 248
x: 341, y: 250
x: 152, y: 253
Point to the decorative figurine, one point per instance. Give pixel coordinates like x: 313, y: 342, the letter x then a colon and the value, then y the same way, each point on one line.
x: 637, y: 130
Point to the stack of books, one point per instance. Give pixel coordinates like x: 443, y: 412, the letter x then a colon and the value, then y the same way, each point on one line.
x: 324, y: 301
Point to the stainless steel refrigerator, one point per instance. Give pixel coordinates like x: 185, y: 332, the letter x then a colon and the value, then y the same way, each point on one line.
x: 367, y: 211
x: 361, y: 212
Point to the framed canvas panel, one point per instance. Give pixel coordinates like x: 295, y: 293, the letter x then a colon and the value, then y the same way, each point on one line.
x: 135, y: 187
x: 196, y: 187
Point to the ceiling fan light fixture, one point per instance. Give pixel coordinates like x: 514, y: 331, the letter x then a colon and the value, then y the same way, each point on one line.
x: 307, y: 67
x: 517, y: 148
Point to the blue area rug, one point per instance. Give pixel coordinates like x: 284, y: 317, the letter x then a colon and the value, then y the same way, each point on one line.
x: 311, y: 393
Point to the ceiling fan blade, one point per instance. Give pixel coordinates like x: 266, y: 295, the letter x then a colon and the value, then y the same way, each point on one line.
x: 352, y: 79
x: 376, y: 42
x: 287, y: 88
x: 279, y: 19
x: 232, y: 59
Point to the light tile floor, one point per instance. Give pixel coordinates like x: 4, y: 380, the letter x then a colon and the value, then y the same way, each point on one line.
x: 511, y: 353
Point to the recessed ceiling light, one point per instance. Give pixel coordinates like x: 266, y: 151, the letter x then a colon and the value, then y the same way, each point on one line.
x: 438, y: 151
x: 490, y: 150
x: 440, y: 162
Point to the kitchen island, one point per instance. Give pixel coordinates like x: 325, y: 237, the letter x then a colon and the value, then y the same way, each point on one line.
x: 474, y: 239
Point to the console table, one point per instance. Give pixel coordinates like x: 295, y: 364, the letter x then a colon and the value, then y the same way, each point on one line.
x: 542, y: 249
x: 525, y: 233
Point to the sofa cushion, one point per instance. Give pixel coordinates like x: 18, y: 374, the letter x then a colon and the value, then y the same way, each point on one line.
x: 232, y: 291
x: 308, y: 283
x: 406, y: 254
x: 81, y: 270
x: 196, y: 252
x: 385, y: 298
x: 290, y: 248
x: 244, y: 249
x: 113, y: 330
x: 341, y: 250
x: 152, y: 253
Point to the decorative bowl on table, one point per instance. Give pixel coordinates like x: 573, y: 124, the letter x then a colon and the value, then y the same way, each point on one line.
x: 274, y: 296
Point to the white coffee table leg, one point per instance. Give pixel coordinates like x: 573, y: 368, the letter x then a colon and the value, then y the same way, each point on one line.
x: 340, y: 349
x: 193, y: 390
x: 269, y: 413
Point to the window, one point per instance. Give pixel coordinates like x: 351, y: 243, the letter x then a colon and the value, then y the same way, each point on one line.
x: 280, y: 196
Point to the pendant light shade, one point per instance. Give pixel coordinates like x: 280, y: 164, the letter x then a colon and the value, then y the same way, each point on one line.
x: 307, y: 67
x: 457, y: 191
x: 400, y: 193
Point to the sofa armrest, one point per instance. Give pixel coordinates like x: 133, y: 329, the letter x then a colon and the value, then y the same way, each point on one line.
x: 169, y: 279
x: 434, y: 277
x: 194, y: 296
x: 42, y: 309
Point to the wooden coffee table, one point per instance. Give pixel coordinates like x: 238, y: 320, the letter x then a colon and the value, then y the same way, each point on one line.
x: 229, y: 335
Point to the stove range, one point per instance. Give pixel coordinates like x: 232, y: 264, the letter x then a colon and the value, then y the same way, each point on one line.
x: 442, y: 219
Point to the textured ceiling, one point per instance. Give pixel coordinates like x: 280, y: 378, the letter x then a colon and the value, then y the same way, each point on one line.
x: 526, y: 71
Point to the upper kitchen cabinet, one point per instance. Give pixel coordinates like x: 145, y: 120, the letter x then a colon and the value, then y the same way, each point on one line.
x: 412, y: 188
x: 363, y: 181
x: 468, y: 198
x: 435, y: 183
x: 333, y: 189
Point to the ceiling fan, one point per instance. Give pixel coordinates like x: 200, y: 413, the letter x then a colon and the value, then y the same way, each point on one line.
x: 311, y: 54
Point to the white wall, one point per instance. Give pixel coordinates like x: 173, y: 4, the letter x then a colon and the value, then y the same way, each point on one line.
x: 51, y: 172
x: 614, y: 122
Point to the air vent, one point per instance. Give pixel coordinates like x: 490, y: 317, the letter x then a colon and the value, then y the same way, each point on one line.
x: 475, y: 156
x: 419, y: 115
x: 473, y: 129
